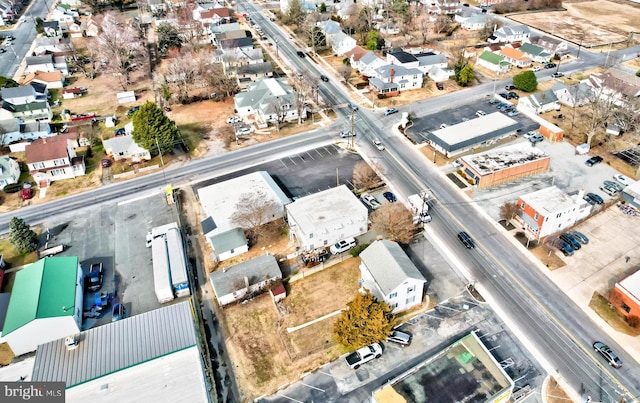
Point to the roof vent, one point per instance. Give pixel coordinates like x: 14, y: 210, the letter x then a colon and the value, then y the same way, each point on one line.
x: 71, y: 342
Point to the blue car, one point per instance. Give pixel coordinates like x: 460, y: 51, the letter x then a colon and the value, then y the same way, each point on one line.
x: 571, y: 240
x: 390, y: 197
x: 566, y: 248
x: 594, y: 198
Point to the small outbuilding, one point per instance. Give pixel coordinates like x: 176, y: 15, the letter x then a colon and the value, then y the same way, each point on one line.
x: 126, y: 97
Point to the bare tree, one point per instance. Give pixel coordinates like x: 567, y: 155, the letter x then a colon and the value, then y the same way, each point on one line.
x: 441, y: 24
x: 395, y: 222
x: 253, y: 210
x: 120, y: 48
x: 508, y: 210
x: 344, y: 71
x: 183, y: 71
x: 364, y: 176
x: 190, y: 29
x: 552, y: 243
x: 598, y: 111
x: 312, y: 34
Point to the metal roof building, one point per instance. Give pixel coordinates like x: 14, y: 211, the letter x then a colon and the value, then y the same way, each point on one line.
x: 150, y: 357
x: 485, y: 130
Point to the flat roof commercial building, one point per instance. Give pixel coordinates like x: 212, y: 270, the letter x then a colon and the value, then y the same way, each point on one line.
x: 625, y: 295
x: 504, y: 164
x: 465, y: 136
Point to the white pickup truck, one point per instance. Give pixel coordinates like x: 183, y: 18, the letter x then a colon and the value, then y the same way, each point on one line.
x: 363, y: 355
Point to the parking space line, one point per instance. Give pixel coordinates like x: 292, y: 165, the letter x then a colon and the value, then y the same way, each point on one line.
x: 291, y: 159
x: 318, y: 151
x: 310, y: 156
x: 290, y: 398
x: 283, y: 164
x: 312, y: 387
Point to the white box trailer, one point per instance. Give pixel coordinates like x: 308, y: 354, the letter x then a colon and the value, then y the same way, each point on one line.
x: 161, y: 276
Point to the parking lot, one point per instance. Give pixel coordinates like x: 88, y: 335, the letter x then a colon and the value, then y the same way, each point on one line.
x: 114, y: 235
x: 424, y: 125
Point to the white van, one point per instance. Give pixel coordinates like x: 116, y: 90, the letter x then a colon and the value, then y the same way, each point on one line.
x: 342, y: 246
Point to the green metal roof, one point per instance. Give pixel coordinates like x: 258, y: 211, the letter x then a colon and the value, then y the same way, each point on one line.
x: 531, y: 49
x: 41, y: 290
x: 491, y: 57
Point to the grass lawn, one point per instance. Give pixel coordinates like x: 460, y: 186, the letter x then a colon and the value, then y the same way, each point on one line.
x: 13, y: 259
x: 601, y: 306
x: 6, y: 355
x: 257, y: 346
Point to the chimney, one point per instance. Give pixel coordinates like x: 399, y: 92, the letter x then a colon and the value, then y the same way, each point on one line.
x: 542, y: 95
x: 580, y: 196
x: 393, y: 72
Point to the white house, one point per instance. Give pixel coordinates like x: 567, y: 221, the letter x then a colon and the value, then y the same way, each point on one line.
x: 391, y: 276
x: 9, y: 171
x: 124, y: 147
x: 513, y: 33
x: 548, y: 211
x: 226, y: 244
x: 267, y: 100
x: 149, y: 357
x: 219, y: 200
x: 368, y: 63
x: 550, y: 45
x: 54, y: 158
x: 493, y: 62
x: 326, y: 217
x: 391, y: 79
x: 342, y: 43
x: 46, y: 303
x: 575, y: 95
x: 249, y: 277
x: 329, y: 28
x: 540, y: 102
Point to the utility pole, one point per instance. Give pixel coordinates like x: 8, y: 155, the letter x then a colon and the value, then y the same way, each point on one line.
x: 353, y: 128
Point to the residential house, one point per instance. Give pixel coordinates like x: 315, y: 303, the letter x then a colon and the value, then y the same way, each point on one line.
x: 244, y: 44
x: 245, y: 279
x: 513, y: 33
x: 443, y: 7
x: 354, y: 55
x: 540, y: 102
x: 54, y: 158
x: 388, y: 29
x: 27, y: 103
x: 552, y: 46
x: 157, y: 6
x: 46, y: 303
x: 329, y: 28
x: 615, y: 85
x: 91, y: 27
x: 233, y: 59
x: 625, y: 295
x: 515, y: 57
x: 153, y: 356
x: 226, y: 244
x: 324, y: 218
x: 368, y: 64
x: 219, y: 201
x: 217, y: 29
x: 125, y: 148
x: 16, y: 131
x: 220, y: 36
x: 212, y: 16
x: 46, y: 63
x: 400, y: 57
x: 536, y: 53
x: 64, y: 16
x: 342, y: 43
x: 267, y: 100
x: 631, y: 194
x: 472, y: 20
x: 71, y: 93
x: 253, y: 72
x: 493, y: 62
x: 575, y: 95
x: 389, y: 274
x: 51, y: 28
x: 548, y: 211
x: 9, y: 171
x: 470, y: 52
x: 56, y: 46
x: 391, y: 79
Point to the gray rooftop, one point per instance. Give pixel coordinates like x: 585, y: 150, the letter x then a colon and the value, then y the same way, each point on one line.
x: 228, y: 240
x: 473, y: 131
x: 389, y: 265
x: 17, y: 92
x: 117, y: 346
x: 35, y: 60
x: 504, y: 157
x: 256, y: 270
x: 550, y: 200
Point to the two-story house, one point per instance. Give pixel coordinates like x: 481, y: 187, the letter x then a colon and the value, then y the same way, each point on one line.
x: 391, y: 79
x: 218, y: 29
x: 551, y: 45
x: 54, y: 158
x: 234, y: 59
x: 27, y: 103
x: 388, y: 273
x: 513, y: 33
x: 614, y: 85
x: 243, y: 44
x: 368, y: 64
x: 47, y: 63
x: 329, y: 28
x: 535, y: 52
x: 342, y: 43
x: 548, y: 211
x: 574, y: 95
x: 267, y: 100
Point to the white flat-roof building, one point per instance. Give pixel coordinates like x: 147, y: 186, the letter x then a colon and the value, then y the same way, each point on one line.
x: 326, y: 217
x: 151, y: 357
x: 484, y: 130
x: 219, y: 200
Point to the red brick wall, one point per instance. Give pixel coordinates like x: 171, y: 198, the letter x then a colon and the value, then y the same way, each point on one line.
x: 618, y: 298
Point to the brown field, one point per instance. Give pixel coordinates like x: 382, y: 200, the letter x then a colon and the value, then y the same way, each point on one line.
x: 592, y: 23
x: 264, y: 354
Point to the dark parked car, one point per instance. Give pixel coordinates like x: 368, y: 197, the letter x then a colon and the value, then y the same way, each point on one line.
x: 390, y: 196
x: 514, y: 95
x: 571, y: 240
x: 324, y: 78
x: 466, y: 240
x: 300, y: 53
x: 440, y: 86
x: 550, y: 66
x: 580, y: 237
x: 593, y: 160
x: 595, y: 198
x: 565, y: 248
x: 504, y: 95
x: 119, y: 132
x: 118, y: 312
x: 608, y: 354
x: 132, y: 110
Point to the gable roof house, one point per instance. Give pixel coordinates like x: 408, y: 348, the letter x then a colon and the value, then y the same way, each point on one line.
x: 536, y: 53
x: 329, y: 28
x: 368, y: 64
x: 443, y: 7
x: 47, y: 63
x: 324, y: 218
x: 212, y: 16
x: 245, y: 279
x: 54, y: 158
x: 64, y: 16
x: 342, y: 43
x: 403, y: 58
x: 16, y: 131
x: 354, y: 55
x: 493, y: 62
x: 615, y: 85
x: 51, y: 28
x: 232, y: 59
x: 27, y: 103
x: 53, y: 79
x: 216, y: 29
x: 56, y: 46
x: 253, y: 72
x: 575, y: 95
x: 220, y: 36
x: 551, y: 45
x: 226, y: 244
x: 9, y: 171
x: 124, y: 147
x: 45, y: 304
x: 515, y: 57
x: 472, y: 20
x: 540, y: 102
x: 506, y: 34
x: 267, y: 100
x: 391, y: 79
x: 243, y: 44
x: 153, y: 357
x: 389, y: 274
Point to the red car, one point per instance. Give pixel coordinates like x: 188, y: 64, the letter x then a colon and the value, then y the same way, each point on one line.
x: 27, y: 191
x: 105, y: 163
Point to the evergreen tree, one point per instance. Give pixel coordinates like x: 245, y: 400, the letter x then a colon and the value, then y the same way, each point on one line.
x: 372, y: 40
x: 152, y: 129
x: 323, y: 7
x: 526, y: 81
x: 168, y: 37
x: 365, y: 321
x: 23, y: 239
x: 466, y: 75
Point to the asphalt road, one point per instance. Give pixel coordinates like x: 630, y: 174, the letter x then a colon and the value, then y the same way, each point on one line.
x: 25, y: 33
